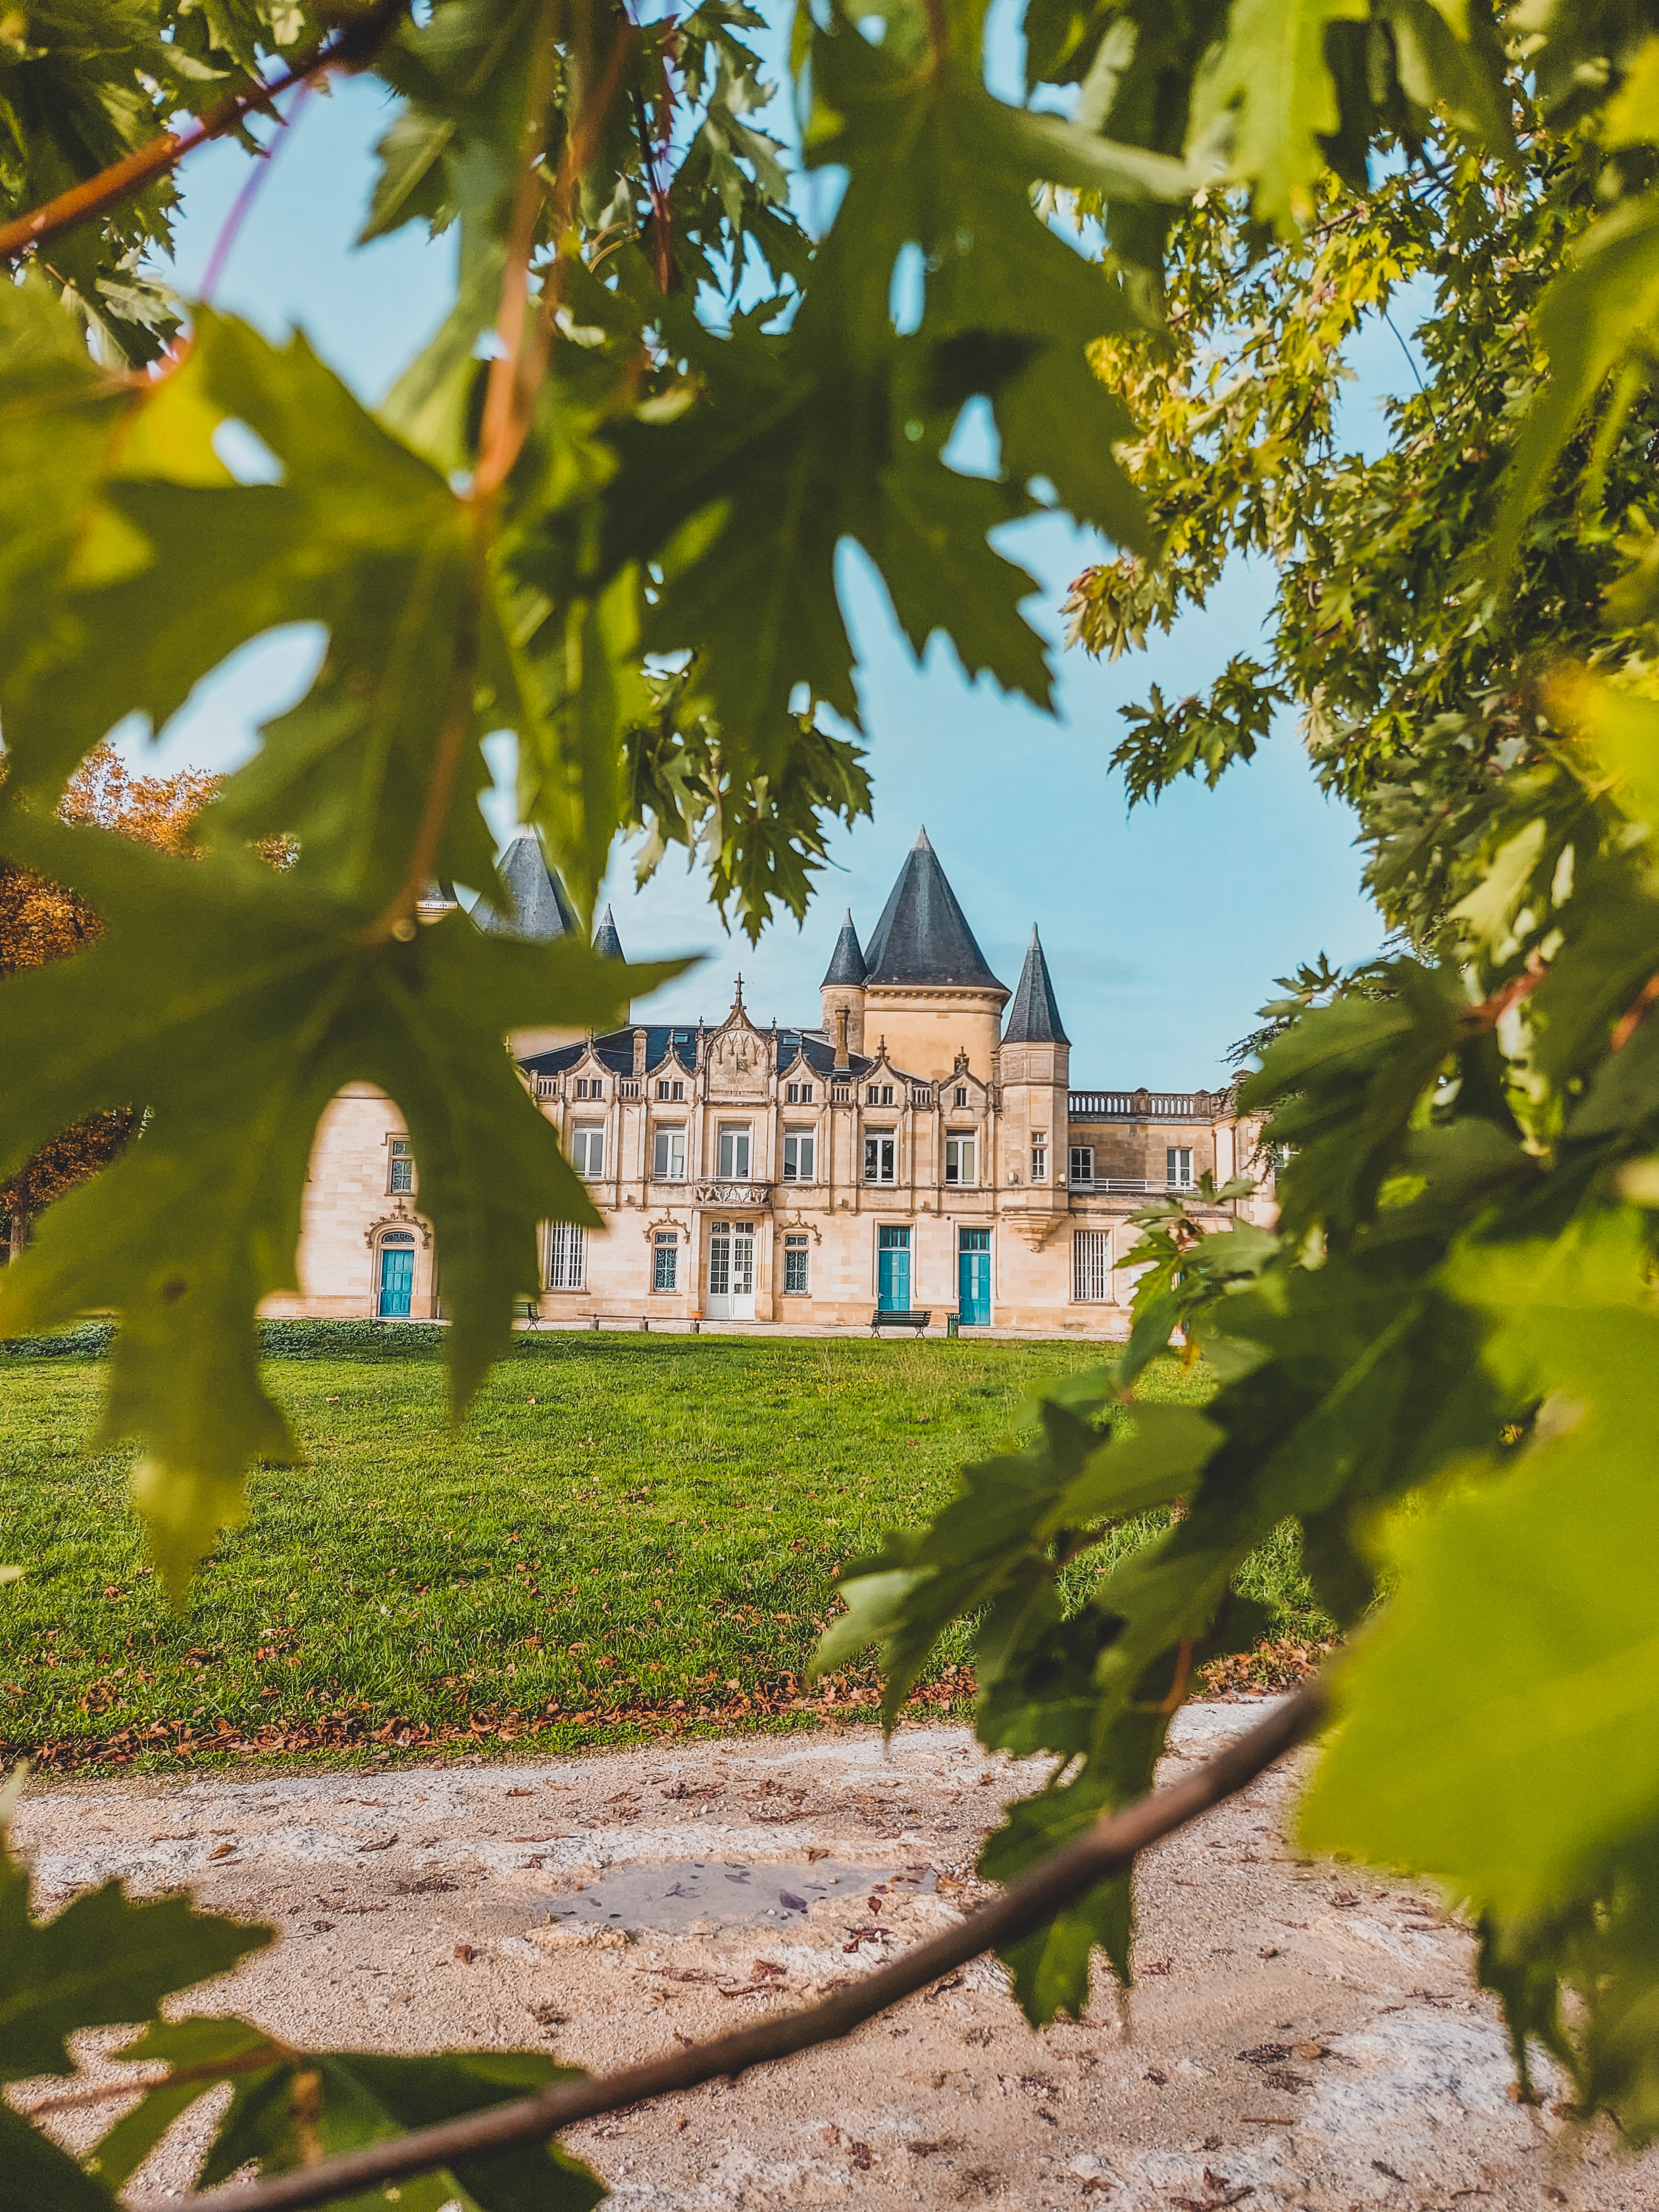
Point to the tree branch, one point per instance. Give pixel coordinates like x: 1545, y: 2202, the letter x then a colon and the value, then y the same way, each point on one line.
x: 353, y: 46
x: 1108, y: 1849
x: 515, y: 379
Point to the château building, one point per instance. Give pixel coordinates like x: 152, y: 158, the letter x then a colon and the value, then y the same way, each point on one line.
x: 918, y: 1148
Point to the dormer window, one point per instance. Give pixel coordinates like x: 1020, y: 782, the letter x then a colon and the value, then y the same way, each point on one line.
x: 878, y: 1094
x: 671, y: 1093
x: 589, y: 1087
x: 961, y: 1094
x: 798, y: 1094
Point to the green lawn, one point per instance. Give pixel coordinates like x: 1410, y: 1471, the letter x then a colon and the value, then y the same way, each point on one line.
x: 627, y: 1533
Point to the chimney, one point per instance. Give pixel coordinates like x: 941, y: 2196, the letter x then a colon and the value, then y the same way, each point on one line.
x: 639, y: 1052
x: 841, y: 1060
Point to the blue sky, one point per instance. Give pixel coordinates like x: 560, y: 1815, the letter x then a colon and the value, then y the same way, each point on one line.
x: 1164, y: 929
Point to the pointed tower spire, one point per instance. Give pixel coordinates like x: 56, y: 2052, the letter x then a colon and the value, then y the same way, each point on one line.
x: 535, y: 906
x: 607, y: 943
x: 1033, y: 1018
x: 847, y: 961
x: 923, y: 936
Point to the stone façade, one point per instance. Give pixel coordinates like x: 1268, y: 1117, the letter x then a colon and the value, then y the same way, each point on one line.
x: 920, y: 1145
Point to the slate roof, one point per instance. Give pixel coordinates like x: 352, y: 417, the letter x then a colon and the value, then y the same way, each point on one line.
x: 1033, y: 1018
x: 607, y: 943
x: 923, y: 936
x: 847, y: 961
x: 672, y: 1051
x: 537, y: 907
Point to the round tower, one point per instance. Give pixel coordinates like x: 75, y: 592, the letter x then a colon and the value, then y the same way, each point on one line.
x: 844, y: 994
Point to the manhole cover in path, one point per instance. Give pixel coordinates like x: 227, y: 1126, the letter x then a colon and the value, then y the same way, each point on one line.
x: 700, y: 1896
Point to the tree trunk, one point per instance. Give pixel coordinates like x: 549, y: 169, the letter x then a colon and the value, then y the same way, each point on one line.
x: 20, y: 1231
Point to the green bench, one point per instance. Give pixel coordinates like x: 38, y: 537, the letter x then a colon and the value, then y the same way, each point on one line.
x: 881, y: 1319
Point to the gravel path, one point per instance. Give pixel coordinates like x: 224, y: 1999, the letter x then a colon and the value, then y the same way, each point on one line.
x: 1301, y: 2035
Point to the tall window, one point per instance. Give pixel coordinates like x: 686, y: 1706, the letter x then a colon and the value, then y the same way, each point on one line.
x: 1083, y: 1164
x: 673, y: 1092
x: 734, y: 1151
x: 798, y: 1154
x: 1178, y: 1167
x: 881, y: 1157
x: 1092, y: 1266
x: 587, y: 1149
x: 589, y: 1087
x: 668, y: 1155
x: 878, y: 1094
x: 1039, y: 1155
x: 798, y: 1094
x: 665, y: 1261
x: 567, y: 1256
x: 796, y: 1277
x: 961, y: 1094
x: 960, y: 1157
x: 401, y: 1176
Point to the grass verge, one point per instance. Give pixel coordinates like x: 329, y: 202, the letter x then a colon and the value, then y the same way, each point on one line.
x: 625, y: 1536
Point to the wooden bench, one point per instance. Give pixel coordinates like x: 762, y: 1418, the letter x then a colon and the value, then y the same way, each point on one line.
x: 882, y: 1319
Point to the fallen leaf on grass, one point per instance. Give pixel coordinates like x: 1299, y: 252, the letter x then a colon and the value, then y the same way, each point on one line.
x: 465, y: 1953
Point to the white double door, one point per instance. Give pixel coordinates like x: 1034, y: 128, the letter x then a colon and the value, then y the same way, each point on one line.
x: 730, y: 1271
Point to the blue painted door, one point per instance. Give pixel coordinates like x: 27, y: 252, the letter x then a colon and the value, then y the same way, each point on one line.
x: 974, y: 1278
x: 893, y: 1271
x: 397, y: 1281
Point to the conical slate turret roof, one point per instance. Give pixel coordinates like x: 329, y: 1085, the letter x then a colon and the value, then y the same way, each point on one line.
x: 537, y: 907
x: 847, y: 961
x: 607, y: 943
x: 1033, y: 1018
x: 923, y: 935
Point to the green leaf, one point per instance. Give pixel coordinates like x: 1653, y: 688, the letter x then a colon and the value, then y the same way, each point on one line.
x: 1345, y: 1081
x: 106, y: 1959
x: 1440, y: 65
x: 308, y: 2104
x: 1511, y: 1747
x: 195, y: 2043
x: 184, y: 566
x: 58, y: 415
x: 36, y: 2176
x: 1600, y: 311
x: 1632, y: 113
x: 1272, y: 70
